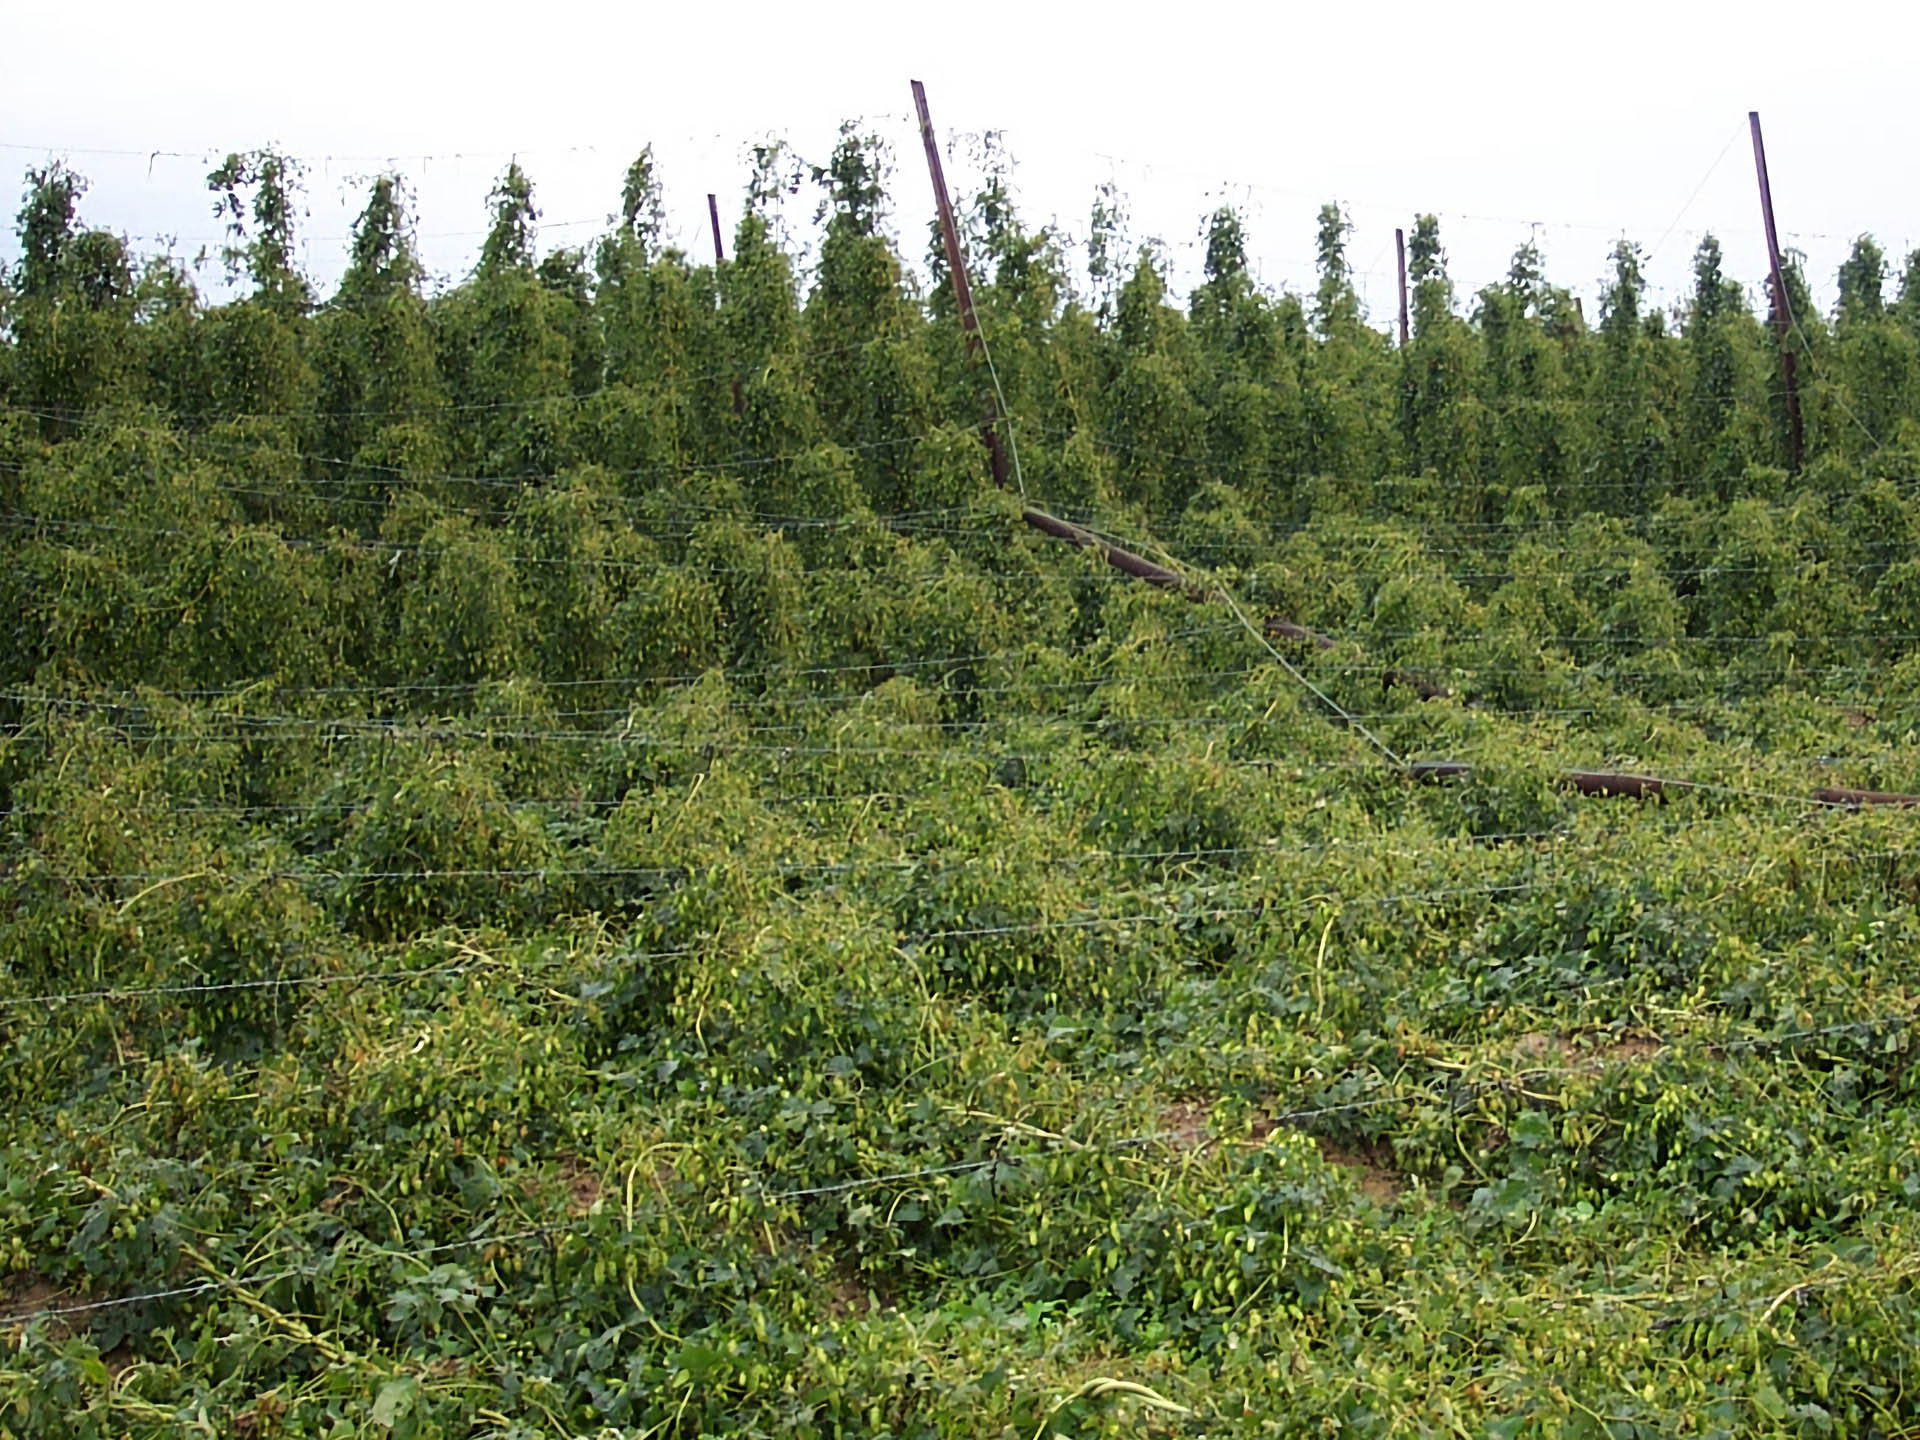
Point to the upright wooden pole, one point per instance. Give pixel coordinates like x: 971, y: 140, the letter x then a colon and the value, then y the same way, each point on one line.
x: 1400, y: 250
x: 1782, y: 322
x: 957, y: 270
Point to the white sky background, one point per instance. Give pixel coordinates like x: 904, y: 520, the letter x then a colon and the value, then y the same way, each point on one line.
x: 1588, y: 122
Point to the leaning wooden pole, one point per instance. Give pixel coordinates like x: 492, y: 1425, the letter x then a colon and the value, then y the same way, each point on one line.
x: 957, y: 270
x: 1782, y: 319
x: 720, y: 258
x: 1121, y: 559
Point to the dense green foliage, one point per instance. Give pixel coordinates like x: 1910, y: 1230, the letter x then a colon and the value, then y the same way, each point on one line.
x: 570, y: 866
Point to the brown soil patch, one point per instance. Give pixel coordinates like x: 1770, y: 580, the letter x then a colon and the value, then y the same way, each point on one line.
x: 26, y: 1296
x: 846, y: 1297
x: 1630, y: 1047
x: 583, y: 1185
x: 1183, y: 1125
x: 1537, y: 1045
x: 1590, y: 1045
x: 1372, y: 1167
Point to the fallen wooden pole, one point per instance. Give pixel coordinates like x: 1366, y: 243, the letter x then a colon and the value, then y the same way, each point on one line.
x: 1281, y: 628
x: 1609, y: 784
x: 1838, y: 795
x: 1132, y: 564
x: 1606, y: 784
x: 1278, y: 627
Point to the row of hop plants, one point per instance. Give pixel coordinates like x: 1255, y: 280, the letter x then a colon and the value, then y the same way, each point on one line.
x: 136, y: 566
x: 630, y: 355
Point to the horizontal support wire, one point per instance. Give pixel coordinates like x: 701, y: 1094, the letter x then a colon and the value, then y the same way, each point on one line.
x: 1549, y: 670
x: 380, y: 549
x: 1276, y: 906
x: 239, y: 728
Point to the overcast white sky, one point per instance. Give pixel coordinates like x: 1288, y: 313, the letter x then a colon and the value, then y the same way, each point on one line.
x: 1583, y: 121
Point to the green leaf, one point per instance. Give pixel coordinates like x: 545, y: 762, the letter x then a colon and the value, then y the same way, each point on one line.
x: 1532, y: 1130
x: 1767, y: 1400
x: 395, y: 1401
